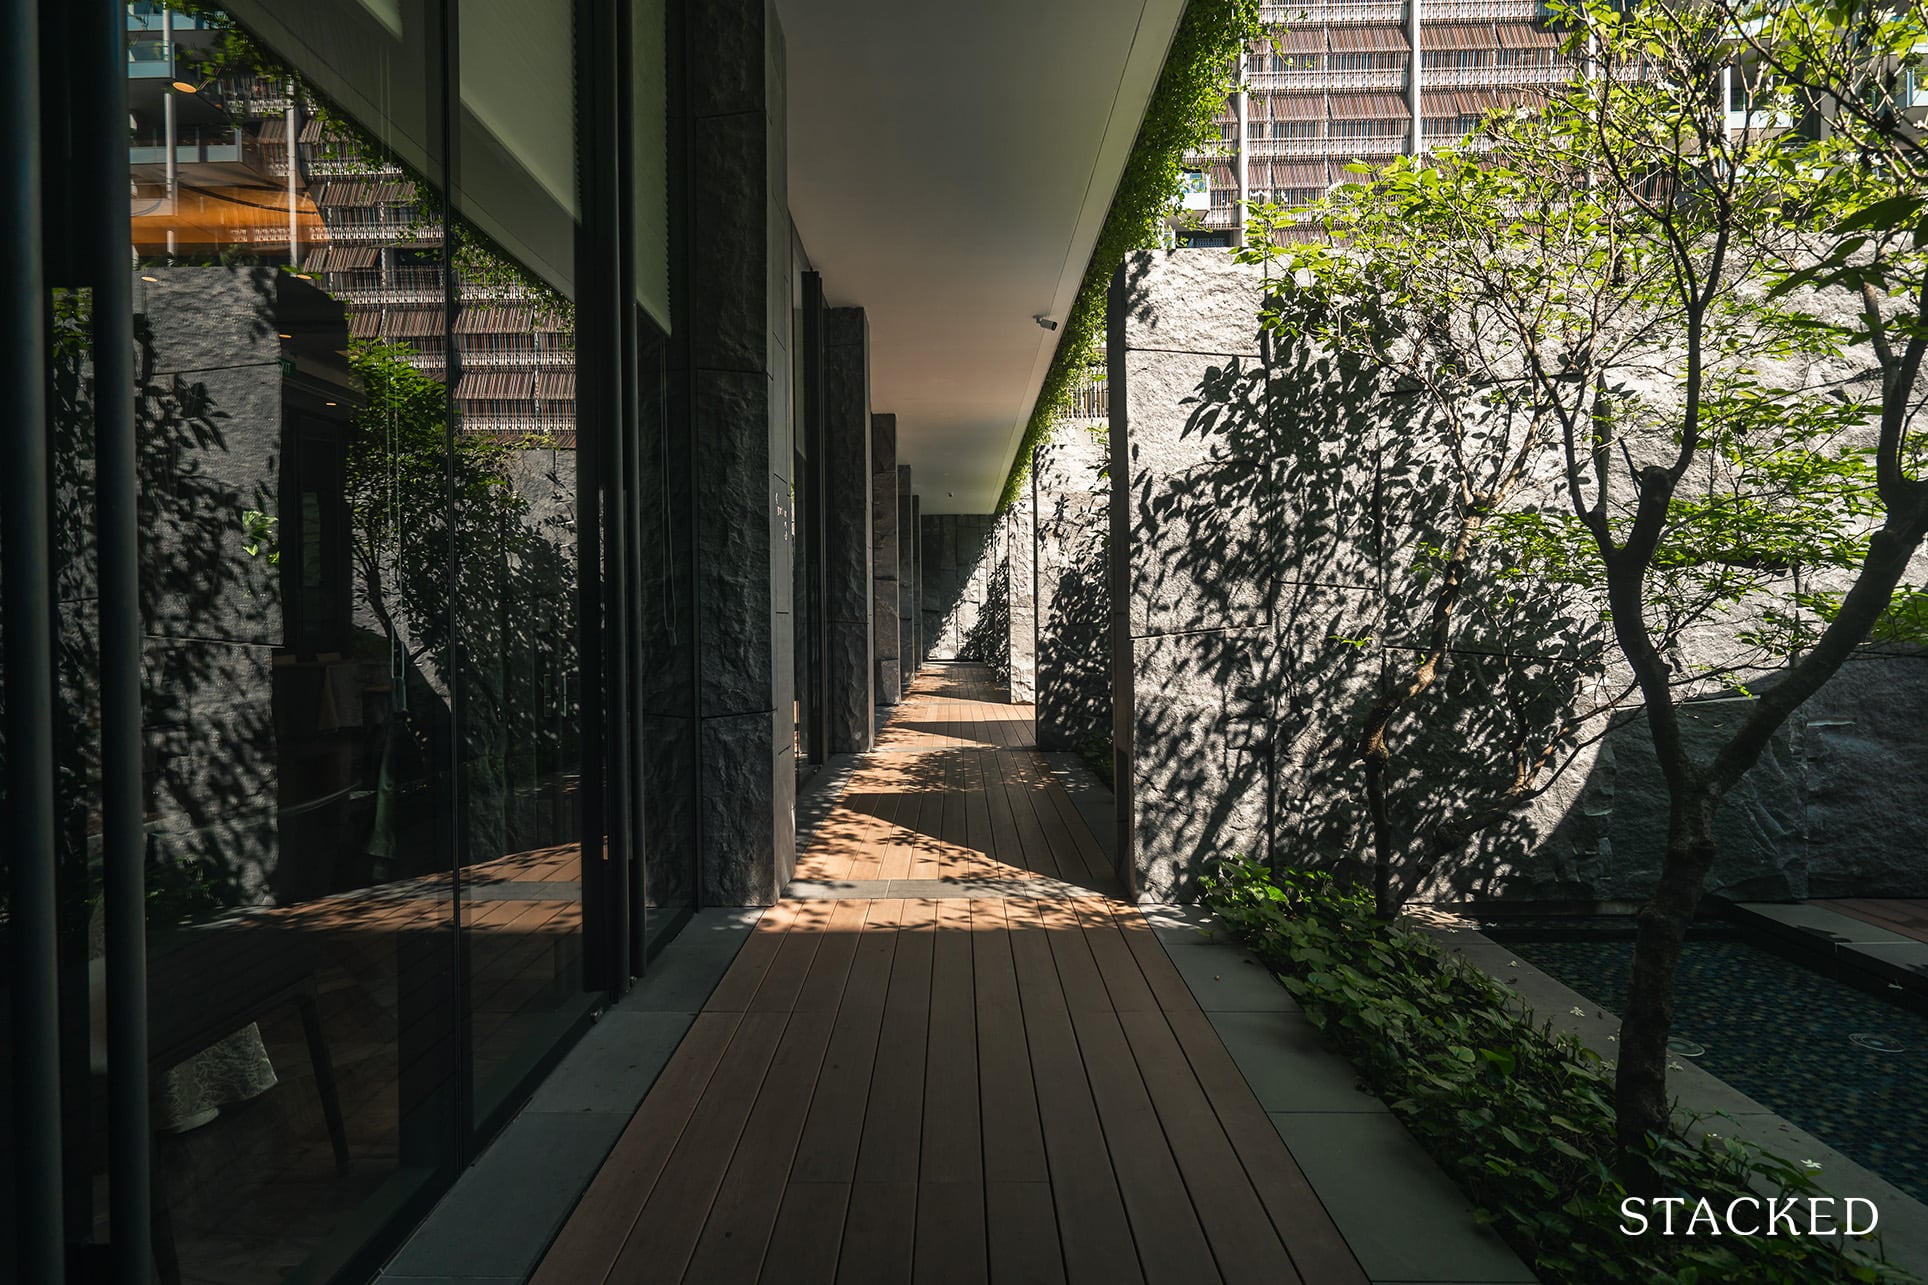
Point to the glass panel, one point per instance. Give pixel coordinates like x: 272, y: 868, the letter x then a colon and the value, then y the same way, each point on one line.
x: 297, y: 703
x: 515, y: 147
x: 513, y: 361
x: 649, y: 96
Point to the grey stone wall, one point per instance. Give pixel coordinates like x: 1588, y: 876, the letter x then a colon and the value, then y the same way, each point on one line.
x: 956, y: 563
x: 848, y: 577
x: 906, y: 580
x: 1266, y: 507
x: 1021, y: 586
x: 920, y: 637
x: 885, y: 635
x: 735, y: 736
x: 1073, y: 597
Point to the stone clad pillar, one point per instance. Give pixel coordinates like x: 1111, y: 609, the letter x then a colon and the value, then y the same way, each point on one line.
x: 850, y: 698
x: 906, y: 580
x: 1020, y: 562
x: 885, y: 636
x: 1073, y: 601
x: 717, y: 766
x: 920, y: 640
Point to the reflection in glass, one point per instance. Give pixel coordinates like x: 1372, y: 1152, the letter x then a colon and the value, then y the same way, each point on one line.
x: 356, y: 428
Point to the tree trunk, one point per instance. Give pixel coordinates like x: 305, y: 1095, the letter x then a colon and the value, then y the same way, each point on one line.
x: 1640, y: 1081
x: 1384, y: 899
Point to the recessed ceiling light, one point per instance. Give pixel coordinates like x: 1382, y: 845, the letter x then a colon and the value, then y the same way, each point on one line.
x: 329, y: 403
x: 145, y: 277
x: 186, y: 88
x: 284, y: 334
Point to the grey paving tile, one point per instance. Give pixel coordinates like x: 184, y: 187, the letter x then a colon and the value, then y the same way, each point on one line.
x: 1365, y: 1166
x: 1288, y: 1066
x: 1225, y: 978
x: 1818, y: 921
x: 613, y: 1065
x: 1182, y: 925
x: 1887, y: 957
x: 503, y: 1212
x: 682, y: 977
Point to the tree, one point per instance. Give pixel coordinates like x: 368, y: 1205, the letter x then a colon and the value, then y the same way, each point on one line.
x: 1636, y: 272
x: 1400, y: 296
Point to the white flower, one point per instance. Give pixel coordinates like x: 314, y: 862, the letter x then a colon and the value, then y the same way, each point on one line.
x: 1810, y: 1164
x: 1512, y: 963
x: 1613, y: 1039
x: 1577, y: 1011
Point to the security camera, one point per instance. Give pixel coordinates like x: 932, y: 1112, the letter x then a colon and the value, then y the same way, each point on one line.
x: 1046, y: 322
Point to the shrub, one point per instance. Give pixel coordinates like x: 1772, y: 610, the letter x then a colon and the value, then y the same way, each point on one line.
x: 1520, y: 1116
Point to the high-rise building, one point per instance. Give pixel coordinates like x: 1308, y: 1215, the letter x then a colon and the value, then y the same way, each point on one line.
x: 1335, y: 81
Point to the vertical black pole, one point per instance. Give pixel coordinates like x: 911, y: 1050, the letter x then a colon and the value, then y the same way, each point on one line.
x: 444, y: 104
x: 26, y: 619
x: 100, y: 163
x: 625, y: 428
x: 603, y: 583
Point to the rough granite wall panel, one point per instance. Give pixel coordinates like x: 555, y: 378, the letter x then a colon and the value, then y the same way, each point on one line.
x: 1263, y: 508
x: 957, y: 582
x: 1021, y: 586
x: 733, y: 343
x: 906, y: 581
x: 885, y: 635
x: 848, y: 579
x: 920, y: 639
x: 1073, y: 603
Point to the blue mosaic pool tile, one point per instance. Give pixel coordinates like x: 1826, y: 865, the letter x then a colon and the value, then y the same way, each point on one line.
x: 1780, y: 1034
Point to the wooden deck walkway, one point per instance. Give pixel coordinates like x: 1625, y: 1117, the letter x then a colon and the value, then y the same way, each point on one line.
x: 1006, y: 1080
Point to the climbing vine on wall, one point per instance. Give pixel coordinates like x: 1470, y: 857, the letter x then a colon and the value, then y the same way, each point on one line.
x: 1182, y: 115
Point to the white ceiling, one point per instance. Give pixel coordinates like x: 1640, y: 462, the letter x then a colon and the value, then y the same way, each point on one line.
x: 950, y: 166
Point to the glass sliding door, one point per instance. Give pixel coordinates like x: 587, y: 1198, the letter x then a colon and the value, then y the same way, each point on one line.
x: 512, y: 375
x: 362, y: 757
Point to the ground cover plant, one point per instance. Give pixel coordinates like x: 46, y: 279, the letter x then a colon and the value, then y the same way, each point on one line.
x: 1521, y: 1117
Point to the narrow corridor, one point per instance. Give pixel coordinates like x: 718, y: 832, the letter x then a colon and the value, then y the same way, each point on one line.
x: 958, y: 1057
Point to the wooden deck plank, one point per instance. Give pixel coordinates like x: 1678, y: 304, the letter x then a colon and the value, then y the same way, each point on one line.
x: 960, y: 1089
x: 822, y: 988
x: 1317, y: 1249
x: 894, y: 1114
x: 1154, y: 964
x: 1171, y: 1243
x: 1084, y: 987
x: 1117, y: 966
x: 953, y: 1148
x: 809, y: 1233
x: 1092, y: 1226
x: 1243, y: 1240
x: 745, y: 974
x: 834, y: 1129
x: 1022, y: 1230
x: 1033, y: 850
x: 879, y: 1233
x: 783, y: 981
x: 951, y: 1247
x: 592, y: 1237
x: 666, y: 1228
x: 744, y: 1214
x: 1013, y: 1140
x: 1007, y: 849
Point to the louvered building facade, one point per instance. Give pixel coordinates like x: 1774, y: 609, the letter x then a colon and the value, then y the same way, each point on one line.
x: 1335, y: 81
